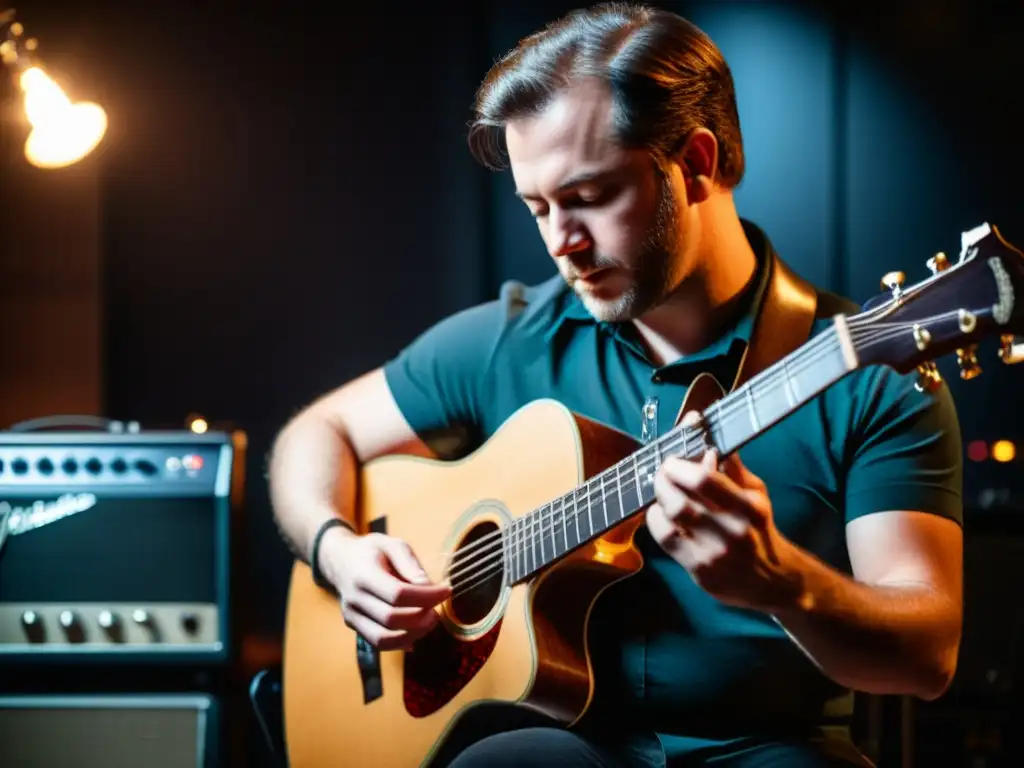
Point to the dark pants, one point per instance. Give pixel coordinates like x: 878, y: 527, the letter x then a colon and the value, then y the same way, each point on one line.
x: 542, y: 747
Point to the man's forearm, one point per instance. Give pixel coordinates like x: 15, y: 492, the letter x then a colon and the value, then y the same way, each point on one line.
x: 892, y: 639
x: 312, y: 476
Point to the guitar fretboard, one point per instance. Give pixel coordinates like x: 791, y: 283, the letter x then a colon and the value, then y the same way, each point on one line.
x: 543, y: 536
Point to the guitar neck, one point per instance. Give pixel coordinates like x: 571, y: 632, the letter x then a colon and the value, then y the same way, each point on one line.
x: 545, y: 535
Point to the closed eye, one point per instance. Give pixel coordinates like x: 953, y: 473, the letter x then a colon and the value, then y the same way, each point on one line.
x: 593, y: 197
x: 586, y: 198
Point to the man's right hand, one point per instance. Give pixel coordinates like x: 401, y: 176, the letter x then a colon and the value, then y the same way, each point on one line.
x: 386, y: 596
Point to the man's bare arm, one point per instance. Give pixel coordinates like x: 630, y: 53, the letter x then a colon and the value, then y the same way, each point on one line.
x: 314, y: 464
x: 895, y: 627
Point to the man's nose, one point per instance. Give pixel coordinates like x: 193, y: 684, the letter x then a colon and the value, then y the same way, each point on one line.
x: 568, y: 236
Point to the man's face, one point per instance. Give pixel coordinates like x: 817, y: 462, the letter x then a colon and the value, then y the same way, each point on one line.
x: 609, y: 218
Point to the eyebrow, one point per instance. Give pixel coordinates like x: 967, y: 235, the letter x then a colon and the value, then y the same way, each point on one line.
x: 579, y: 180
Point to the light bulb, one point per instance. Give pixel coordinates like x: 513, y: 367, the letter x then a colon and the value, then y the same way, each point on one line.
x: 62, y: 132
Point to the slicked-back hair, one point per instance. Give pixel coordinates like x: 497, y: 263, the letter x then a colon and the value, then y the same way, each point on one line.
x: 666, y: 78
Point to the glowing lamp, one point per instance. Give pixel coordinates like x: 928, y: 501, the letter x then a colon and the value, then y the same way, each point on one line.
x: 62, y: 132
x: 1004, y: 451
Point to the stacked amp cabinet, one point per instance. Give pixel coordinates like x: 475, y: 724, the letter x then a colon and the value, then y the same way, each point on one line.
x: 117, y: 618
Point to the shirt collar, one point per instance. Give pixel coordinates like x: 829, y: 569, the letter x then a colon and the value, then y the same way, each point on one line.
x: 574, y: 312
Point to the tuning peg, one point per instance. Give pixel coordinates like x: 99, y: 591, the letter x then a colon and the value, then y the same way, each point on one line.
x: 938, y: 263
x: 929, y: 379
x: 1010, y: 352
x: 967, y: 359
x: 893, y: 281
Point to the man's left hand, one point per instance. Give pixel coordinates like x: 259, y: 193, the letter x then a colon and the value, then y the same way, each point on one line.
x: 717, y: 523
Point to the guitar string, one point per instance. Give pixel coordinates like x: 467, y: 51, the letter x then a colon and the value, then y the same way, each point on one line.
x: 557, y: 512
x: 549, y: 513
x: 527, y: 526
x: 543, y: 513
x: 534, y: 526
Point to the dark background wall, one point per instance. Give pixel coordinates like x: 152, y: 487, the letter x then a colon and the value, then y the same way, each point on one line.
x: 286, y: 197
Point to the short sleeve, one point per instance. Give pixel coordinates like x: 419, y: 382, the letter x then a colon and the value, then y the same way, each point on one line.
x: 437, y: 379
x: 905, y: 449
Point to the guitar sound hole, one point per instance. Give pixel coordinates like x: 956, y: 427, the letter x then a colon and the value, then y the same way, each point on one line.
x: 477, y: 574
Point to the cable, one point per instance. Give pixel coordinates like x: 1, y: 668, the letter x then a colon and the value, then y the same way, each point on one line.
x: 74, y: 421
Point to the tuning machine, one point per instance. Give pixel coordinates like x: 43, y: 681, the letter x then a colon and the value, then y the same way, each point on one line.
x: 893, y: 282
x: 928, y: 379
x: 967, y: 359
x: 938, y: 263
x: 1011, y: 351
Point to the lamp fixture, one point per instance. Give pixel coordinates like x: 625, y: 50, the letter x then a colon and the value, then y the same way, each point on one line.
x: 62, y: 132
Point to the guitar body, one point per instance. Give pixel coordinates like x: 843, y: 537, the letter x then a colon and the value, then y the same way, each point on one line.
x: 525, y: 646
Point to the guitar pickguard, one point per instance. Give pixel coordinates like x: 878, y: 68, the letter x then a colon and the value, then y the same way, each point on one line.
x: 439, y: 666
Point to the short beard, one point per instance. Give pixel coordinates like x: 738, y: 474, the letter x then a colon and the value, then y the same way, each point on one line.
x: 652, y: 275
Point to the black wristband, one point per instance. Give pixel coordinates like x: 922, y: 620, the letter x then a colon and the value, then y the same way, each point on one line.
x: 318, y: 576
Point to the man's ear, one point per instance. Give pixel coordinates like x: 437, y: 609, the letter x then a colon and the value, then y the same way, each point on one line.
x: 698, y: 159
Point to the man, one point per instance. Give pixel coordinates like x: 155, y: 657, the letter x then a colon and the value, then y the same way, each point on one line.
x: 824, y: 559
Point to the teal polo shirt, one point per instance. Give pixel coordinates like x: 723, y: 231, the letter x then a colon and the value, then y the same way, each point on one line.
x: 676, y: 668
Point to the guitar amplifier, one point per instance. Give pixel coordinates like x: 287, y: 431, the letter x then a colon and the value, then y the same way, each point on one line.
x: 117, y: 547
x: 110, y: 731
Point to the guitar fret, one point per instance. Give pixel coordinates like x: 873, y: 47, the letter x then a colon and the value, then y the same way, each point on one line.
x: 548, y: 532
x: 618, y: 487
x: 718, y: 435
x: 604, y: 503
x: 510, y: 543
x: 590, y: 512
x: 587, y: 530
x: 543, y: 527
x: 565, y: 530
x: 551, y: 532
x: 523, y: 539
x: 581, y: 504
x: 534, y: 523
x: 752, y: 409
x: 576, y: 514
x: 553, y: 529
x: 790, y: 384
x: 527, y: 544
x: 516, y: 548
x: 652, y: 461
x: 521, y: 545
x: 517, y: 572
x: 506, y: 565
x: 575, y: 527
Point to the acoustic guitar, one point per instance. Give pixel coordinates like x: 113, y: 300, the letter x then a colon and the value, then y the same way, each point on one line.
x: 534, y: 525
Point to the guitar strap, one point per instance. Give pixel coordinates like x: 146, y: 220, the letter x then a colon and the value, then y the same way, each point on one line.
x: 783, y: 321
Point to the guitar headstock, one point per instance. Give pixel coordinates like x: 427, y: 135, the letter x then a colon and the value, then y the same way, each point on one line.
x: 981, y: 295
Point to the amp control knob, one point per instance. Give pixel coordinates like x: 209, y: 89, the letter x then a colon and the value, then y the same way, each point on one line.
x: 143, y: 618
x: 74, y: 630
x: 190, y: 623
x: 32, y: 624
x: 112, y: 625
